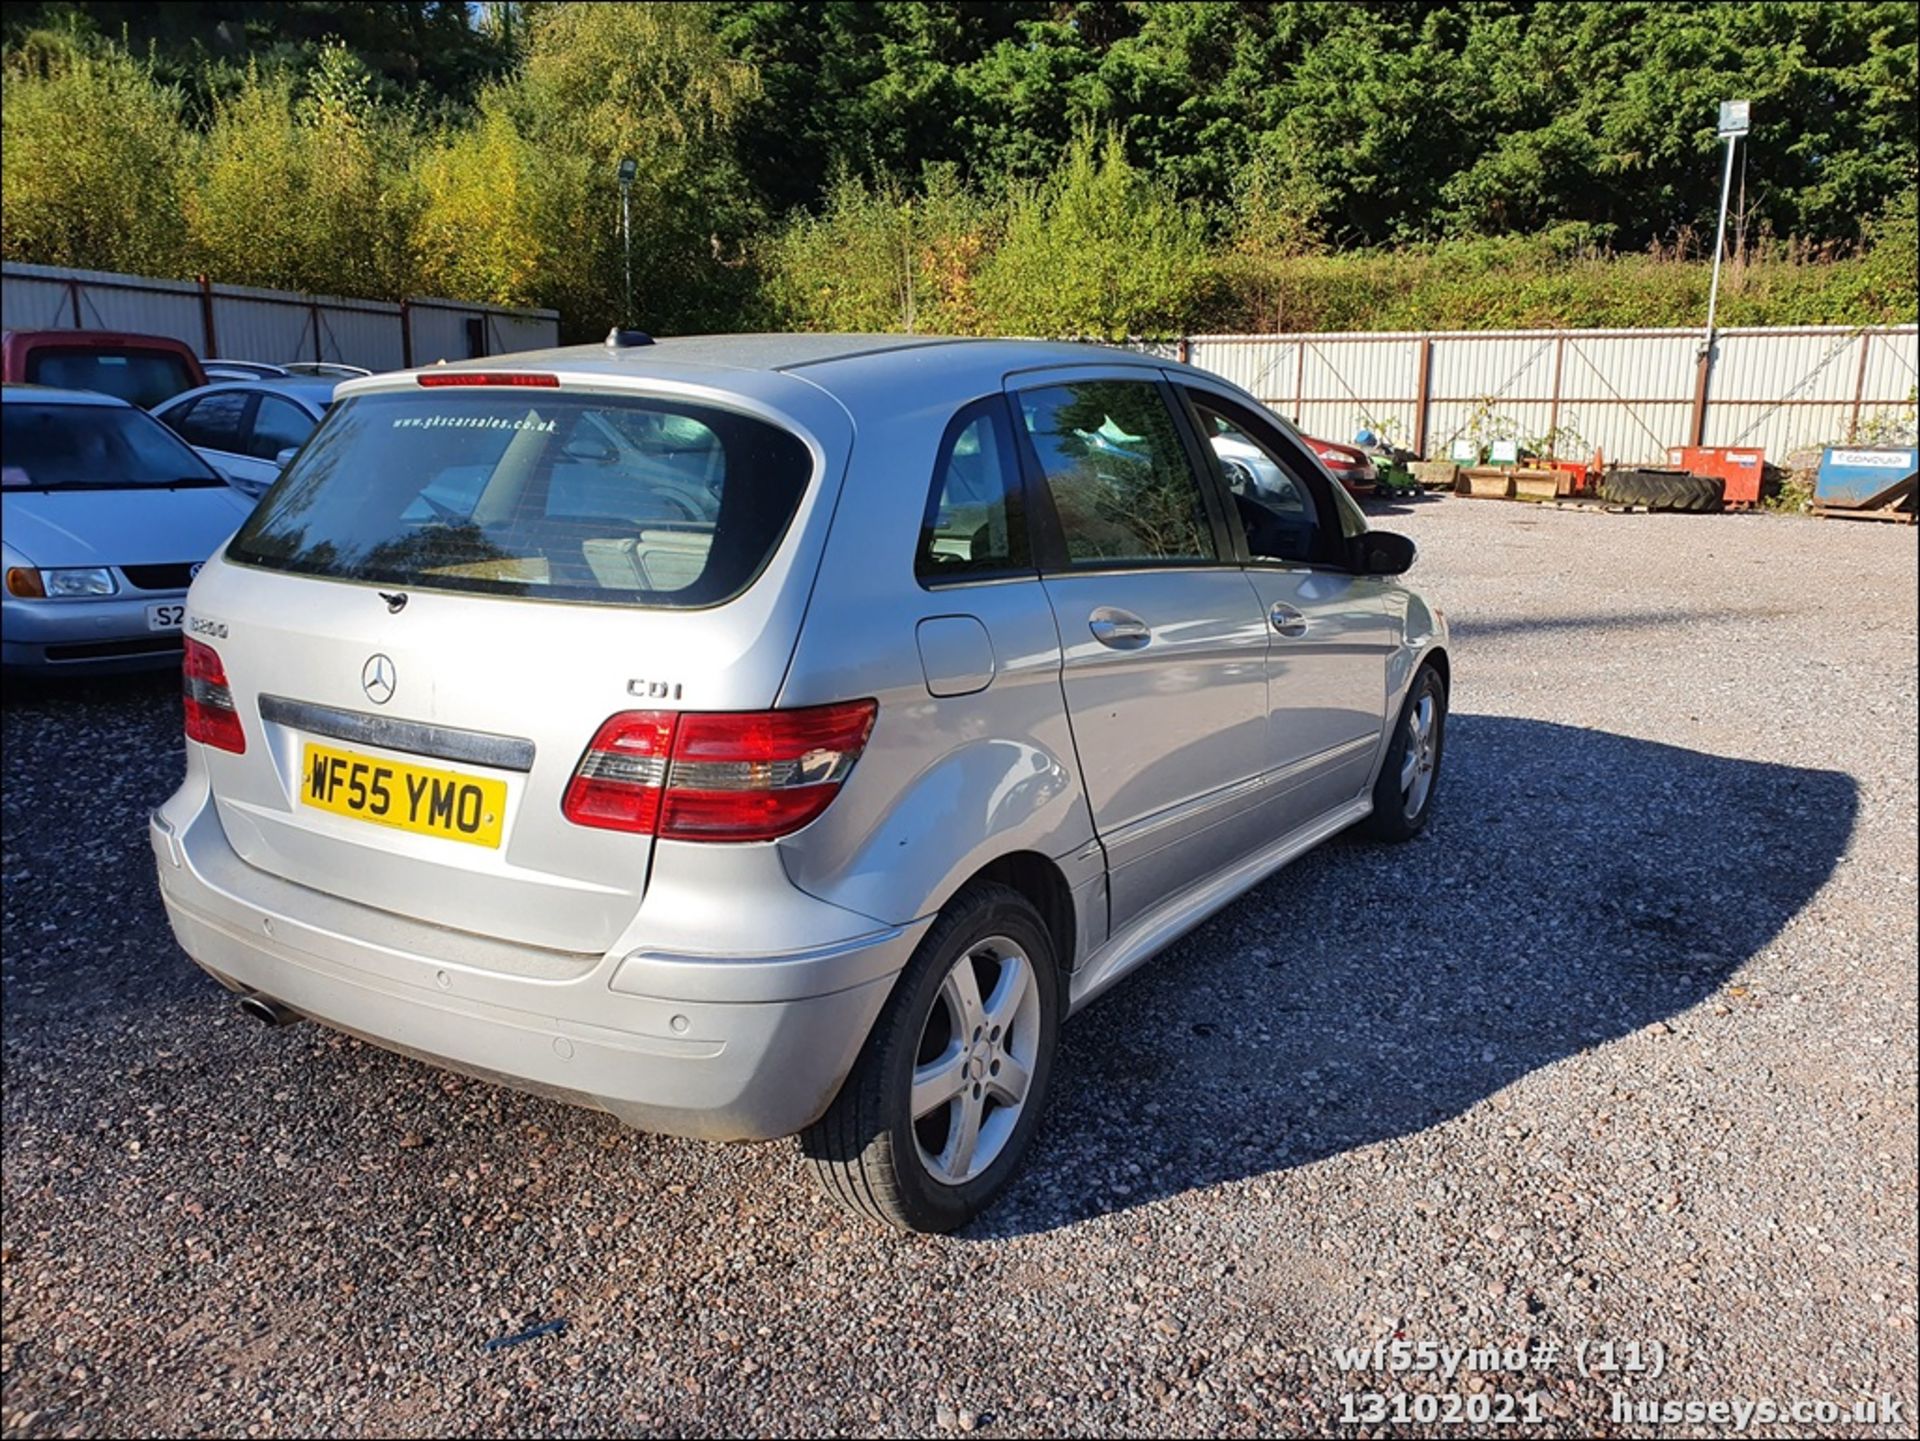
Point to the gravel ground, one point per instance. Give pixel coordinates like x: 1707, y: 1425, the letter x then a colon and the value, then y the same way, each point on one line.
x: 1623, y: 1049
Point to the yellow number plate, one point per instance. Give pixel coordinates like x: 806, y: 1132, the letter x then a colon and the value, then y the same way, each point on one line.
x: 422, y: 799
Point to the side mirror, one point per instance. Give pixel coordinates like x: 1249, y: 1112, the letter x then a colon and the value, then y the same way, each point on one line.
x: 1381, y: 552
x: 282, y: 459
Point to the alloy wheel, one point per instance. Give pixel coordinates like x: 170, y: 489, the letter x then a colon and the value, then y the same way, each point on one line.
x: 975, y: 1062
x: 1416, y: 766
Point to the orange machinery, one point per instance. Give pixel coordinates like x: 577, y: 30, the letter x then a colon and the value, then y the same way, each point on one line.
x: 1741, y: 467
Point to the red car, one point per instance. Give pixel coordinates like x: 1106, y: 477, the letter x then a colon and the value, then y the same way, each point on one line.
x: 1352, y: 467
x: 142, y: 370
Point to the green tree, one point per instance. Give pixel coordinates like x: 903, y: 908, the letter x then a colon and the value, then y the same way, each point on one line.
x: 415, y: 51
x: 923, y: 162
x: 867, y: 87
x: 1606, y: 114
x: 651, y: 81
x: 96, y: 154
x: 488, y: 216
x: 309, y: 194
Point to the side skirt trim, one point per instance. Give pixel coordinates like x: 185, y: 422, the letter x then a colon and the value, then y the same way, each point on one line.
x: 1178, y: 914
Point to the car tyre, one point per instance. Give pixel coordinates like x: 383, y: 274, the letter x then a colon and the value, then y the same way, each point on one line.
x: 1403, y: 794
x: 958, y: 1052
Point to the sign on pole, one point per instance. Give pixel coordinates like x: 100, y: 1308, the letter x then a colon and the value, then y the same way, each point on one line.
x: 1733, y: 117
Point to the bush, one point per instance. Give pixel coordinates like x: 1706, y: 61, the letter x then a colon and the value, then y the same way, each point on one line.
x: 879, y: 257
x: 1100, y: 250
x: 1529, y: 283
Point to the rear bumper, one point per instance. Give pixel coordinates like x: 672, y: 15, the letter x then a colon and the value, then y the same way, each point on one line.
x: 724, y: 1048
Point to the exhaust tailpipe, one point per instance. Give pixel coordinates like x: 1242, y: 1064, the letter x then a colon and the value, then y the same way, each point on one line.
x: 266, y: 1010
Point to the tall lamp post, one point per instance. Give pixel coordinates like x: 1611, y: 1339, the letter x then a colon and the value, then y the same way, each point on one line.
x: 629, y: 167
x: 1734, y: 116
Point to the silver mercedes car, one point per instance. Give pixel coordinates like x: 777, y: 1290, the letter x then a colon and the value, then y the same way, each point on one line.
x: 760, y: 735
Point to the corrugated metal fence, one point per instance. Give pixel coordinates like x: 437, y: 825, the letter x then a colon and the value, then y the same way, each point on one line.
x: 238, y: 322
x: 1632, y: 393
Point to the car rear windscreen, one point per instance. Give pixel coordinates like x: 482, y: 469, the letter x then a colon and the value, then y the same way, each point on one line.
x: 92, y: 447
x: 543, y: 494
x: 139, y: 377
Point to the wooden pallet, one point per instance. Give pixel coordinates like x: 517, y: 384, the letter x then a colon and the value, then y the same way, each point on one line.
x: 1841, y: 512
x: 1591, y: 504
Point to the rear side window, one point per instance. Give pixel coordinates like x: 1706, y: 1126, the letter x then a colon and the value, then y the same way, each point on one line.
x: 213, y: 421
x: 1117, y: 473
x: 141, y: 377
x: 975, y: 524
x: 547, y: 494
x: 277, y: 425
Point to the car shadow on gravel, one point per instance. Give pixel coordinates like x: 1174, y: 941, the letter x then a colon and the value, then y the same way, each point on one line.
x: 1401, y: 502
x: 1574, y: 887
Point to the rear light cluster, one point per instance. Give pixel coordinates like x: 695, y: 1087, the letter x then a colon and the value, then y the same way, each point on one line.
x: 211, y: 718
x: 717, y: 776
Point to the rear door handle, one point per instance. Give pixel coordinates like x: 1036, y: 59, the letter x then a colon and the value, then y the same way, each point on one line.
x: 1120, y: 629
x: 1287, y: 620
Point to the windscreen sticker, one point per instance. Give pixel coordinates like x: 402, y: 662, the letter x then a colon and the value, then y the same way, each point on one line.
x: 472, y: 422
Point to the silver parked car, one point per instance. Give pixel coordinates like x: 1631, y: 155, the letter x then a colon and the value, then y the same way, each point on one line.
x: 814, y: 807
x: 330, y: 369
x: 243, y: 370
x: 246, y: 428
x: 106, y: 516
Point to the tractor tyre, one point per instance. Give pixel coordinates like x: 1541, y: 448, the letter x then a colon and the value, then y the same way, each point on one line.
x: 1655, y: 489
x: 1703, y: 494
